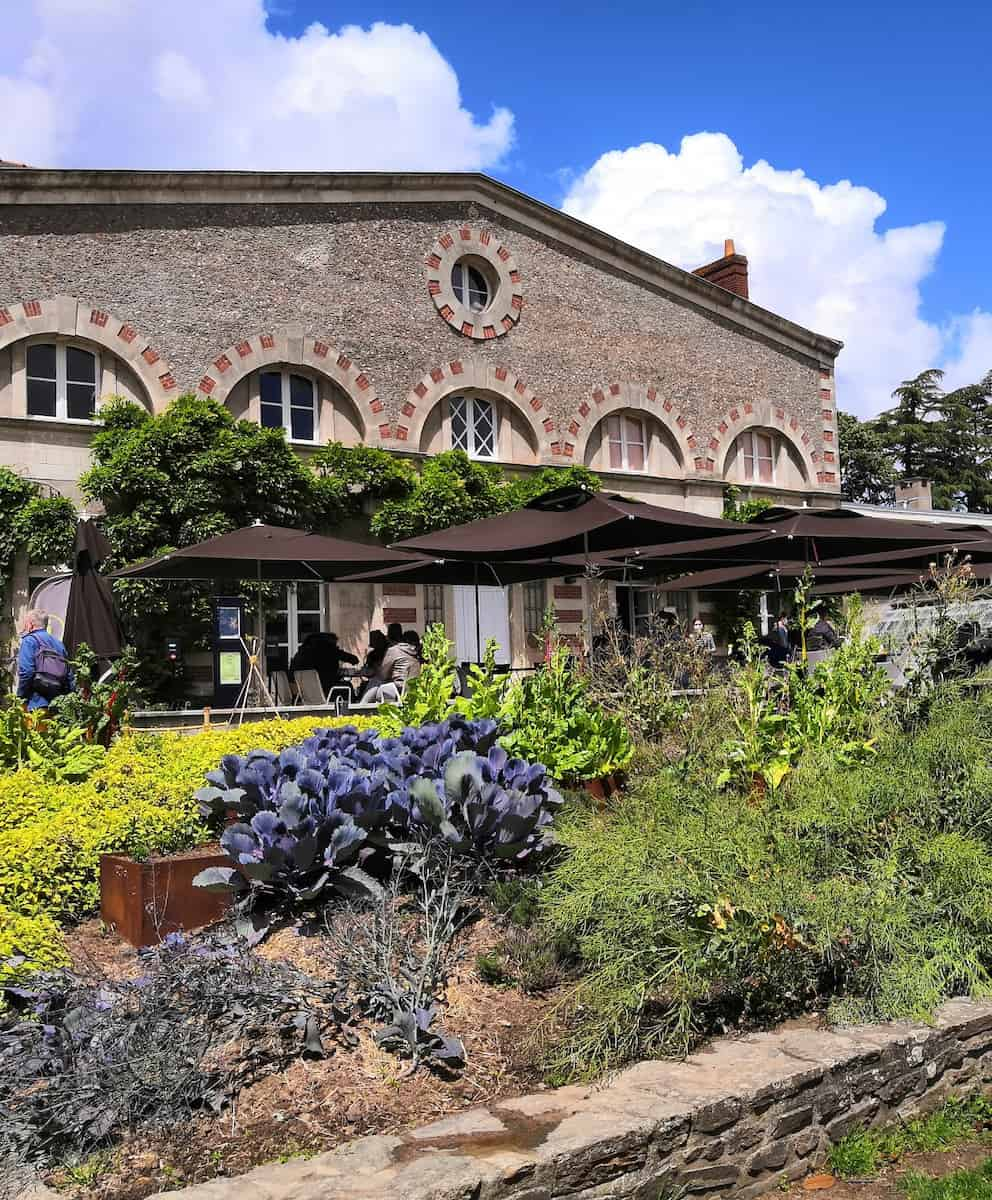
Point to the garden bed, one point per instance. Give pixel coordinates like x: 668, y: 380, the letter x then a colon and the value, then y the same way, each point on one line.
x: 315, y: 1106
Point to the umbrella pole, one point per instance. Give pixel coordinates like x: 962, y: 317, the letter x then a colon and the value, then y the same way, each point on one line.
x: 588, y: 614
x: 478, y: 620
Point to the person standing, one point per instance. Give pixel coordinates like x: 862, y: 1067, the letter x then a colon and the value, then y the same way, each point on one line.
x: 780, y: 642
x: 43, y: 671
x: 702, y: 637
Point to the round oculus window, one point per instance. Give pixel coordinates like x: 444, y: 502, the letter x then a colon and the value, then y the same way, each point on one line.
x: 474, y: 283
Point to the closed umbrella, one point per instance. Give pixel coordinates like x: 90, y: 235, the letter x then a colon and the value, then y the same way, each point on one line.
x: 91, y: 616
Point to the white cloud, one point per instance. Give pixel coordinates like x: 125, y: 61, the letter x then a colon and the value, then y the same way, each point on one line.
x: 142, y: 83
x: 815, y: 254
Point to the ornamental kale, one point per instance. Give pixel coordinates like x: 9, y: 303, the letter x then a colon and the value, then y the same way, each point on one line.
x: 313, y: 816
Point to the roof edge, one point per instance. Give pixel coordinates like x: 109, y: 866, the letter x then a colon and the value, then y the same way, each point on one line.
x: 84, y: 186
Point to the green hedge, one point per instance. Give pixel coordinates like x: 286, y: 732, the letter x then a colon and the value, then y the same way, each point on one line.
x: 139, y: 801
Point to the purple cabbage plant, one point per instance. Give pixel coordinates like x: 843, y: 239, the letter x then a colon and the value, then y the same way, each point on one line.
x: 312, y: 816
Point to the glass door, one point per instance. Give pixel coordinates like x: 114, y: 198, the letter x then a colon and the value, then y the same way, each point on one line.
x: 297, y: 611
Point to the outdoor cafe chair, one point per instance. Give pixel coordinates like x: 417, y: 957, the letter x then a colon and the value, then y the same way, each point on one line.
x: 283, y: 691
x: 309, y: 688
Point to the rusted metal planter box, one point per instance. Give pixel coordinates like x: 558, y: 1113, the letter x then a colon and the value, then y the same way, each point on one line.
x: 146, y: 900
x: 603, y: 788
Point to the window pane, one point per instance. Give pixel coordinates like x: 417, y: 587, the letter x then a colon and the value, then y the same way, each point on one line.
x: 456, y: 282
x: 308, y: 597
x: 534, y: 603
x: 270, y: 388
x: 616, y: 454
x: 300, y: 392
x: 765, y: 470
x: 41, y: 361
x: 478, y: 290
x: 459, y: 423
x: 307, y: 622
x: 80, y: 401
x: 301, y: 424
x: 634, y: 431
x: 635, y: 457
x: 80, y: 366
x: 763, y: 449
x: 272, y: 416
x: 41, y: 397
x: 484, y: 428
x: 613, y: 429
x: 433, y: 604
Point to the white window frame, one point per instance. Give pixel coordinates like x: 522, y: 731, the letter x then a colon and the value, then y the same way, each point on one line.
x: 62, y: 346
x: 471, y: 446
x: 622, y: 418
x: 292, y: 610
x: 750, y: 457
x: 464, y: 286
x: 285, y: 394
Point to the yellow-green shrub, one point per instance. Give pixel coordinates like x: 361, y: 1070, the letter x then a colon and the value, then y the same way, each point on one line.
x: 139, y: 802
x: 37, y: 939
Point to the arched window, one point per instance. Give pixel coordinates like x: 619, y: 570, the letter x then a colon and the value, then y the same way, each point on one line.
x: 631, y: 439
x: 473, y: 425
x: 61, y: 381
x: 626, y: 442
x: 757, y: 451
x: 288, y: 401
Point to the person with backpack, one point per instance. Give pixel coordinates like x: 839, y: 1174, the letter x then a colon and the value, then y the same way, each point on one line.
x: 43, y: 671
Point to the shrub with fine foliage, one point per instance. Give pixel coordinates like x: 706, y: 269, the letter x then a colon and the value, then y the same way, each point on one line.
x: 865, y: 887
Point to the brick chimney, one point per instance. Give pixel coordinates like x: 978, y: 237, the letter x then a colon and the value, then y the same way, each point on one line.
x: 914, y: 493
x: 729, y: 272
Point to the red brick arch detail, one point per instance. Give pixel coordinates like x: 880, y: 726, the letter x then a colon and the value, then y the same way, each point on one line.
x: 573, y: 436
x: 750, y: 414
x: 288, y: 348
x: 449, y: 377
x: 65, y: 316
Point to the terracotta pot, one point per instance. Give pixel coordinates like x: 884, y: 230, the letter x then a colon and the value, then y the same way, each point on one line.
x: 146, y: 900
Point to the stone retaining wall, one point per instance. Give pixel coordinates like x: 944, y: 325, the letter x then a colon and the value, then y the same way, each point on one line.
x: 731, y: 1121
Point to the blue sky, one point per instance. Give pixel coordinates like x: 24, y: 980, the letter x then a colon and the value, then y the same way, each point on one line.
x: 602, y: 110
x: 897, y: 97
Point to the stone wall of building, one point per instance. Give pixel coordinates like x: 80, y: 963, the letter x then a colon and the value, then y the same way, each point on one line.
x: 732, y: 1121
x: 200, y: 279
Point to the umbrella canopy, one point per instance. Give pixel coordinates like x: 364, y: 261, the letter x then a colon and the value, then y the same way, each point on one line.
x: 90, y: 614
x: 769, y: 576
x: 888, y: 581
x: 266, y: 552
x: 816, y: 535
x: 568, y: 521
x: 457, y: 571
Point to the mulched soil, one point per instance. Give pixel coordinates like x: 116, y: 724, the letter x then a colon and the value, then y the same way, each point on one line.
x: 316, y: 1105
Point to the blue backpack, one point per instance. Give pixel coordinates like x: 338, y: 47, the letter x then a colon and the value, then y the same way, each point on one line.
x: 51, y: 672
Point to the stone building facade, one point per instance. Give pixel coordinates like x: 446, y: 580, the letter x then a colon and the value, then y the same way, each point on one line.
x: 413, y: 312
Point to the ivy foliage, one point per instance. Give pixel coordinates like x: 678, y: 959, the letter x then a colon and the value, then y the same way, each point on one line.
x: 44, y: 527
x: 193, y: 471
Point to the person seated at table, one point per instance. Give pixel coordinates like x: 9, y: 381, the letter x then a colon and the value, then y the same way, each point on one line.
x: 399, y: 663
x: 822, y: 636
x: 378, y: 645
x: 320, y: 652
x: 412, y: 638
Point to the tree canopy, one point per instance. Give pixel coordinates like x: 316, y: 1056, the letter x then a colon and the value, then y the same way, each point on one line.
x: 945, y: 437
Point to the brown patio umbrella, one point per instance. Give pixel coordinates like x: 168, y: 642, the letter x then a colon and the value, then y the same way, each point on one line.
x: 267, y: 553
x: 770, y: 576
x: 885, y: 582
x: 91, y: 616
x: 568, y: 521
x: 812, y: 535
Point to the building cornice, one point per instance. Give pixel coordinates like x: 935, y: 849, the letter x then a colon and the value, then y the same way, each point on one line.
x: 89, y: 187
